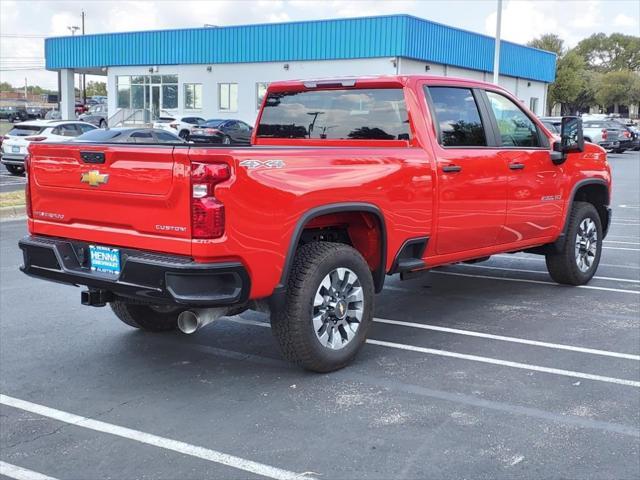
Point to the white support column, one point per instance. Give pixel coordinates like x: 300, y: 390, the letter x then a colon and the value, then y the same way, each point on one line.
x: 67, y: 95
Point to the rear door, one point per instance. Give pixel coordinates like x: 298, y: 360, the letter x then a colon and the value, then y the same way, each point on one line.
x: 535, y: 185
x: 472, y: 179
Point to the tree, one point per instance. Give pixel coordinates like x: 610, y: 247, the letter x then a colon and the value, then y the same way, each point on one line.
x: 549, y: 42
x: 587, y: 96
x: 611, y: 53
x: 617, y: 88
x: 6, y: 87
x: 96, y: 88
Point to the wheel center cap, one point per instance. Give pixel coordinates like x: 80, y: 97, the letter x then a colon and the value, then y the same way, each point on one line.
x: 341, y: 309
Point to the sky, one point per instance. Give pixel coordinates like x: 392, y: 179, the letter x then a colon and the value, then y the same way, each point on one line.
x: 25, y: 23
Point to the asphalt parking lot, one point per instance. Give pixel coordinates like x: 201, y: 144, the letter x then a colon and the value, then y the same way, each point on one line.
x: 473, y: 371
x: 10, y: 183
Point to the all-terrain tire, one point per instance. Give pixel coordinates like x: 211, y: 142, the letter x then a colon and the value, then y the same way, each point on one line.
x: 145, y: 317
x: 293, y: 324
x: 564, y: 266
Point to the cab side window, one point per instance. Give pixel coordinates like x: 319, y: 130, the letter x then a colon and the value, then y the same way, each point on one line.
x: 516, y: 129
x: 458, y: 117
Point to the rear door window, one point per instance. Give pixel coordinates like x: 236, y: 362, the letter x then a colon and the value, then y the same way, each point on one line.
x: 341, y: 114
x: 142, y: 137
x: 458, y: 117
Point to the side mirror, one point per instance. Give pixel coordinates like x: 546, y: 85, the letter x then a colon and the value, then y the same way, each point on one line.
x: 571, y: 139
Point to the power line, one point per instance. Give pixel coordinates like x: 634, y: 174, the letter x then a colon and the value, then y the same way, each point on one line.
x: 16, y: 35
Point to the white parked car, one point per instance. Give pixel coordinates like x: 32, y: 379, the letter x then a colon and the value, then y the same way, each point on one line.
x: 16, y: 142
x: 180, y: 124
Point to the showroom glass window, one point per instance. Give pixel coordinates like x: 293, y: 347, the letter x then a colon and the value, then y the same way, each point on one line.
x: 516, y: 129
x: 134, y: 91
x: 362, y: 114
x: 458, y: 117
x: 261, y: 91
x: 228, y: 97
x: 193, y: 96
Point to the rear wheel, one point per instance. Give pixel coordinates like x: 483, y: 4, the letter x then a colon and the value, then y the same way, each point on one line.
x: 328, y: 307
x: 15, y: 169
x: 184, y: 134
x: 578, y: 260
x: 102, y: 124
x: 152, y: 318
x: 226, y: 140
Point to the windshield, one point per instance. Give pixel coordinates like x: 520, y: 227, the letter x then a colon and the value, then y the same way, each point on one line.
x: 348, y: 114
x: 25, y: 130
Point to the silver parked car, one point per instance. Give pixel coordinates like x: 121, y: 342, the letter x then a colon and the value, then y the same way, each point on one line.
x: 605, y: 133
x: 97, y: 115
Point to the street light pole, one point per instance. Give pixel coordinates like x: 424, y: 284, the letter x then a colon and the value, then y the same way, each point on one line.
x: 84, y: 78
x: 496, y: 52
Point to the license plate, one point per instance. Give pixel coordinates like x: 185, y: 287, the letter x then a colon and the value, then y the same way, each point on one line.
x: 198, y: 132
x: 105, y: 259
x: 15, y: 149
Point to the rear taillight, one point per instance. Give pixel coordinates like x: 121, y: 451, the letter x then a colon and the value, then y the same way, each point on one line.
x: 35, y: 139
x: 174, y: 125
x: 213, y: 131
x: 207, y: 213
x: 605, y: 134
x: 27, y: 192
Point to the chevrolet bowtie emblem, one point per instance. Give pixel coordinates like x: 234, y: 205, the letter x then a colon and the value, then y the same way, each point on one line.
x: 94, y: 178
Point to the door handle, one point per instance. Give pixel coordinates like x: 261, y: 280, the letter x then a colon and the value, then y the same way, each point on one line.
x: 516, y: 166
x: 451, y: 168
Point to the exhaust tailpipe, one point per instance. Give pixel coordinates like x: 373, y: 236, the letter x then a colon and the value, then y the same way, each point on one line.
x: 191, y: 320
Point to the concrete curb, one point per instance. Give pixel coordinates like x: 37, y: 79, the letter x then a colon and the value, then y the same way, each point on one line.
x: 13, y: 212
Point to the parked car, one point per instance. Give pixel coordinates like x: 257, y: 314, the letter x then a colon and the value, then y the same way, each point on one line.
x: 180, y: 125
x: 400, y: 174
x: 81, y: 108
x: 222, y: 131
x: 17, y: 141
x: 633, y: 132
x: 35, y: 112
x: 130, y: 135
x: 606, y: 133
x: 13, y: 113
x: 53, y: 114
x: 552, y: 123
x: 97, y: 115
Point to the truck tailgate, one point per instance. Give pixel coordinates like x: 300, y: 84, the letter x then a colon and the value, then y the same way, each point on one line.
x: 130, y: 195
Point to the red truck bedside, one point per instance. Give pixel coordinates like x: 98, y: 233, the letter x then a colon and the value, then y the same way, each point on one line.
x: 346, y: 181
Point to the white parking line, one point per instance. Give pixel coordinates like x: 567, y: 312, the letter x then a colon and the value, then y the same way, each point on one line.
x: 505, y: 363
x: 476, y: 358
x: 490, y: 267
x: 622, y: 243
x: 153, y: 440
x: 541, y: 259
x: 557, y: 346
x: 19, y: 473
x: 622, y: 248
x: 526, y: 280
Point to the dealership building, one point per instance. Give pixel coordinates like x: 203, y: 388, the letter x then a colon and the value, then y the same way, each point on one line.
x: 222, y: 72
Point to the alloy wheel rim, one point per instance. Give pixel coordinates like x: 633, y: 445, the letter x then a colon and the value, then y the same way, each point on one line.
x: 338, y: 308
x: 586, y: 247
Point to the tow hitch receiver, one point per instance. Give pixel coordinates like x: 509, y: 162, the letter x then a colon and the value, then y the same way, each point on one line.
x: 95, y: 297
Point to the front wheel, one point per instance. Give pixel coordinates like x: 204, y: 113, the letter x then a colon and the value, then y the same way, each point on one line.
x: 578, y: 260
x: 152, y: 318
x: 102, y: 124
x: 328, y: 307
x: 226, y: 140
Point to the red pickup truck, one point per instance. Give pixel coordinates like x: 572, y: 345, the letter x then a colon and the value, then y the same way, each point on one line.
x: 346, y: 181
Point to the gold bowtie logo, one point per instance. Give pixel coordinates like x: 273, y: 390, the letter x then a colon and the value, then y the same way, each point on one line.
x: 94, y: 178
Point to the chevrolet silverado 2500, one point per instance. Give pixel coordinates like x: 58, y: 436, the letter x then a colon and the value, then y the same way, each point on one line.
x: 346, y: 181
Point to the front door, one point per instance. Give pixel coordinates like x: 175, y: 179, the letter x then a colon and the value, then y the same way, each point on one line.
x: 154, y: 101
x: 472, y: 179
x: 535, y: 186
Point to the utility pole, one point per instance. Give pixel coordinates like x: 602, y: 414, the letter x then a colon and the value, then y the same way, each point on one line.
x: 25, y: 88
x: 496, y: 52
x: 84, y: 78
